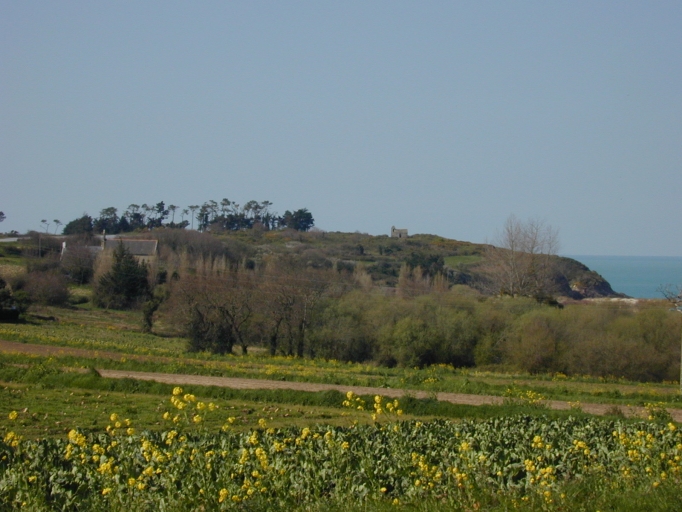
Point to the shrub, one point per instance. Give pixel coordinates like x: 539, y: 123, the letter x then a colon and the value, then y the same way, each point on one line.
x: 47, y: 288
x: 8, y: 307
x: 78, y: 263
x: 46, y: 264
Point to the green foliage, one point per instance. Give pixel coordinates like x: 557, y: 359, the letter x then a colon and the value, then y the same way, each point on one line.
x: 125, y: 284
x: 9, y: 310
x: 461, y: 260
x: 80, y: 226
x: 151, y: 306
x: 512, y: 462
x: 300, y: 220
x: 658, y: 412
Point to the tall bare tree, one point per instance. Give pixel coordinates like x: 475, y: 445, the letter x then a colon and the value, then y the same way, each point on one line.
x: 193, y: 208
x: 521, y: 261
x: 217, y: 309
x: 173, y: 208
x: 290, y: 294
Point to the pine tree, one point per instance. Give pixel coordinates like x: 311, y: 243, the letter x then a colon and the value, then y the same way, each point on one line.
x: 125, y: 284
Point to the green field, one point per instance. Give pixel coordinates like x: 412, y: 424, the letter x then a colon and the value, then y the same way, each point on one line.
x: 284, y: 449
x: 386, y: 461
x: 455, y: 261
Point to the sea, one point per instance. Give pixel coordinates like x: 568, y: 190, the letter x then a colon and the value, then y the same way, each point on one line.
x: 640, y: 277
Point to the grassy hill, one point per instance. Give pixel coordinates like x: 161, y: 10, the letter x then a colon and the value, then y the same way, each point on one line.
x: 382, y: 257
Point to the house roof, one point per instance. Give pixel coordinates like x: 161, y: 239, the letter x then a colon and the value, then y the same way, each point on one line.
x: 134, y: 246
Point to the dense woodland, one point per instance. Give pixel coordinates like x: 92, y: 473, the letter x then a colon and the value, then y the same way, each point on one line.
x: 412, y: 302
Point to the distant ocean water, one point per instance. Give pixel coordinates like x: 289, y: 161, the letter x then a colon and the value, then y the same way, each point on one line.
x: 636, y: 276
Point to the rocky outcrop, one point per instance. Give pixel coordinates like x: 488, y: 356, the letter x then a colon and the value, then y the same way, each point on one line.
x: 577, y: 281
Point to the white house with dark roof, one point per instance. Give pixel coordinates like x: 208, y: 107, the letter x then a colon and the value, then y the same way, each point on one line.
x: 143, y: 250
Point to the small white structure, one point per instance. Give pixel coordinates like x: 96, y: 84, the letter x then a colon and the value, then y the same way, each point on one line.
x: 398, y: 233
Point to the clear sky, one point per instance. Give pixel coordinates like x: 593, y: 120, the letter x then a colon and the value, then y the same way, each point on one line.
x: 440, y: 117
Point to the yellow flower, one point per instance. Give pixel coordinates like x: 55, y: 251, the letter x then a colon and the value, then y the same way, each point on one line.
x: 76, y: 438
x: 13, y: 415
x: 177, y: 391
x: 222, y: 495
x: 113, y: 417
x: 196, y: 419
x: 262, y: 423
x: 106, y: 491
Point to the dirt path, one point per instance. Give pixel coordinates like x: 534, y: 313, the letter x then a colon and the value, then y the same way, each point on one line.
x: 239, y: 383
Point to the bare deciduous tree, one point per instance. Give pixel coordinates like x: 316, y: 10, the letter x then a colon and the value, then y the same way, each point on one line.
x: 218, y: 309
x: 672, y: 294
x: 290, y: 296
x: 521, y: 260
x: 78, y: 262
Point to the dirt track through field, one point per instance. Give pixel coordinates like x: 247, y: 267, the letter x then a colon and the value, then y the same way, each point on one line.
x: 240, y: 383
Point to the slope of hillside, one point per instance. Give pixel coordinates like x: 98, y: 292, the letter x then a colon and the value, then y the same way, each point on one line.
x: 382, y: 258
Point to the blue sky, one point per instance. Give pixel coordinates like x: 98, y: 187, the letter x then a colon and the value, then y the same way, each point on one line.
x: 440, y: 117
